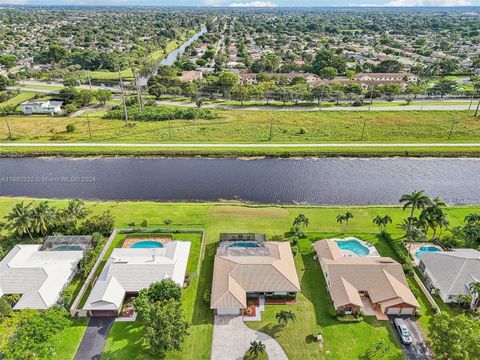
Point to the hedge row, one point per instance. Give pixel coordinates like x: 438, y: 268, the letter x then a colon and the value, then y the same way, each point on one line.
x: 160, y: 113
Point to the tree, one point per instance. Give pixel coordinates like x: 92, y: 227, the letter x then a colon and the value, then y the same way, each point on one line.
x: 412, y: 232
x: 382, y: 221
x: 445, y: 87
x: 388, y: 66
x: 301, y: 220
x: 161, y: 291
x: 71, y: 82
x: 4, y: 82
x: 103, y: 96
x: 284, y: 316
x: 241, y: 93
x: 475, y: 291
x: 415, y: 200
x: 327, y: 58
x: 256, y: 349
x: 43, y: 218
x: 8, y: 60
x: 455, y: 337
x: 20, y: 219
x: 227, y: 80
x: 165, y: 327
x: 328, y: 72
x: 103, y: 224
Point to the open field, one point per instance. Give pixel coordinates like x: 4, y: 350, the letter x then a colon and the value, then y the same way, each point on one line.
x: 312, y: 309
x: 253, y: 127
x: 21, y: 97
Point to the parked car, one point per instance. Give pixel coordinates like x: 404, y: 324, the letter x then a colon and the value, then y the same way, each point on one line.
x: 403, y: 331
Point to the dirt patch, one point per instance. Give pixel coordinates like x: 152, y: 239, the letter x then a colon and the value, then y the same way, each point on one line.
x: 226, y: 211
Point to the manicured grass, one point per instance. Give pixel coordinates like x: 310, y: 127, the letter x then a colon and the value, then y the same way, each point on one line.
x: 111, y: 75
x: 43, y: 86
x: 215, y: 218
x: 21, y: 97
x: 253, y: 127
x: 67, y: 341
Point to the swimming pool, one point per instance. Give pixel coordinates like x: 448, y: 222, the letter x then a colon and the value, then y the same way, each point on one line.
x: 244, y: 244
x: 353, y: 246
x: 424, y: 249
x: 146, y: 245
x: 68, y: 248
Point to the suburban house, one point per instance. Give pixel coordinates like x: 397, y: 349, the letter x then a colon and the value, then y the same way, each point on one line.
x: 39, y: 273
x: 247, y: 266
x: 41, y: 107
x: 251, y: 78
x: 373, y: 284
x: 400, y: 76
x: 189, y: 76
x: 129, y: 270
x: 450, y: 272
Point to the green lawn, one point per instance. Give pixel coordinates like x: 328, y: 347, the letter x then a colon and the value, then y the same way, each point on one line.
x: 67, y: 341
x: 21, y: 97
x: 253, y: 127
x: 272, y: 220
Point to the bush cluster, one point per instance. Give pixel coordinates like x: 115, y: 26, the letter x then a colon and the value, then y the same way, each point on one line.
x: 160, y: 113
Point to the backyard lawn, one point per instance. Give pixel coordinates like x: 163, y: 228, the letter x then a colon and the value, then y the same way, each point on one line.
x: 312, y: 309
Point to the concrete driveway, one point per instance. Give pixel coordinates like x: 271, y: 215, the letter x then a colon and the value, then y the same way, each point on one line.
x: 418, y: 350
x: 93, y: 341
x: 232, y: 338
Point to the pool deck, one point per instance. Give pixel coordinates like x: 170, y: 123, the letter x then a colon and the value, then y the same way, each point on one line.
x: 414, y: 247
x: 128, y: 242
x: 372, y: 250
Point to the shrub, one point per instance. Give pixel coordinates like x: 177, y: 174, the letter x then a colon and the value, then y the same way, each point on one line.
x: 5, y: 307
x: 349, y: 318
x: 70, y: 109
x: 302, y: 131
x: 67, y: 296
x: 167, y: 221
x: 357, y: 102
x: 145, y: 223
x: 415, y: 292
x: 294, y: 241
x: 333, y: 313
x: 161, y: 113
x: 295, y: 251
x: 207, y: 296
x: 131, y: 224
x: 70, y: 128
x: 103, y: 224
x: 396, y: 246
x: 408, y: 269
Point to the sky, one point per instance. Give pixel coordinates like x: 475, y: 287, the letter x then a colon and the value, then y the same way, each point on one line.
x: 250, y: 3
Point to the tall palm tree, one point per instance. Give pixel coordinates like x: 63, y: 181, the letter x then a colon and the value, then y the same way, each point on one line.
x: 20, y: 219
x: 76, y: 210
x: 475, y: 290
x: 284, y: 317
x: 340, y: 220
x: 43, y: 217
x: 415, y: 200
x: 348, y: 216
x: 256, y: 348
x: 382, y: 221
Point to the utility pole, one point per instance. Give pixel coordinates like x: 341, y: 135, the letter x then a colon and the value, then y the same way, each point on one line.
x: 90, y: 81
x: 8, y: 125
x: 89, y: 128
x: 424, y: 98
x: 476, y: 110
x: 123, y: 98
x: 271, y: 130
x: 170, y: 130
x: 471, y: 100
x: 139, y: 92
x: 371, y: 100
x: 451, y: 129
x: 363, y: 129
x: 321, y: 99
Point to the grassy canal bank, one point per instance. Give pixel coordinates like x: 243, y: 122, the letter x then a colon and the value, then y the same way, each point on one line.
x: 298, y: 129
x: 312, y: 309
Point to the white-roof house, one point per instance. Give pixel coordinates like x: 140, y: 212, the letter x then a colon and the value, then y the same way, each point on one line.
x: 39, y: 276
x: 41, y: 107
x: 451, y: 272
x: 129, y: 270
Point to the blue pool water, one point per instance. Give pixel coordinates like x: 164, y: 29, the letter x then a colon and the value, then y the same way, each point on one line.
x: 423, y: 249
x: 146, y: 245
x: 244, y: 244
x: 68, y: 248
x: 353, y: 246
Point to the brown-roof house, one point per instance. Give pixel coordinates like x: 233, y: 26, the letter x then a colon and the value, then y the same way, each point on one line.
x: 247, y: 266
x: 372, y: 284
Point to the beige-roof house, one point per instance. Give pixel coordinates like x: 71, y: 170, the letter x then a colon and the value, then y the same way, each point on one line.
x: 372, y: 283
x: 252, y: 268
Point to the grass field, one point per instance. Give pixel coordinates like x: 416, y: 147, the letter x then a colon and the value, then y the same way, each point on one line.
x: 124, y: 341
x: 253, y: 127
x: 21, y: 97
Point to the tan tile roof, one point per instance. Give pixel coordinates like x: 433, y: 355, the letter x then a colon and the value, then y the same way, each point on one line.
x: 381, y: 277
x: 234, y: 276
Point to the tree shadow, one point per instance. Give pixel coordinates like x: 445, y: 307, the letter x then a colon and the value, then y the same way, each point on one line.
x: 272, y: 329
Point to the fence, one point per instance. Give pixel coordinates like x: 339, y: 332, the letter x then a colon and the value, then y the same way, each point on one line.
x: 426, y: 292
x: 74, y: 311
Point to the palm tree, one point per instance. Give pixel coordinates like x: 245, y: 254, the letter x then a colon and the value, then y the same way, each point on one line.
x: 284, y: 317
x: 301, y: 220
x: 76, y: 210
x: 472, y: 218
x: 340, y: 220
x: 412, y: 232
x: 415, y: 200
x: 475, y: 290
x: 20, y: 219
x: 348, y: 216
x: 256, y: 348
x: 43, y: 217
x: 382, y: 221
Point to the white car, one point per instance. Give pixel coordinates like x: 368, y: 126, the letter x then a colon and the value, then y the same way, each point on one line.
x: 403, y: 331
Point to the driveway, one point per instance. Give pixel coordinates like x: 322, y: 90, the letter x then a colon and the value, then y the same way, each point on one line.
x: 232, y: 338
x: 93, y: 341
x: 418, y: 350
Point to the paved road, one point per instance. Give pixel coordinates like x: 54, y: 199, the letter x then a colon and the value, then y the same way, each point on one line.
x: 418, y: 350
x: 93, y: 341
x: 237, y: 145
x: 232, y: 338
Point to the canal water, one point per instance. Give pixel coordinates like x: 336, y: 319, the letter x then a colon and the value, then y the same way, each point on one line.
x: 330, y: 181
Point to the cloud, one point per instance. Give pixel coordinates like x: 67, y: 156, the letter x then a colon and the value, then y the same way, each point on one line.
x: 13, y: 2
x: 212, y: 2
x: 258, y: 4
x: 414, y: 3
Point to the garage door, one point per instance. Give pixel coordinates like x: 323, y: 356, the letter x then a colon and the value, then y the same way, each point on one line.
x: 393, y: 311
x: 103, y: 313
x: 406, y: 311
x: 228, y: 311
